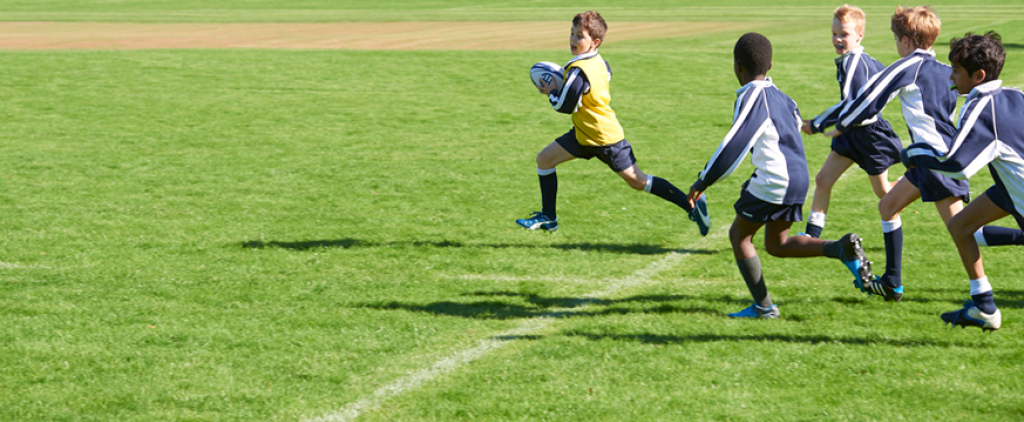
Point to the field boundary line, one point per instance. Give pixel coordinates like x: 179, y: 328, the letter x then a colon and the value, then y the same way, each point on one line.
x: 456, y: 360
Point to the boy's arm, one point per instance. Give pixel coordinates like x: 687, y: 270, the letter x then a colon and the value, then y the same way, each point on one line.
x: 974, y: 145
x: 876, y: 93
x: 576, y: 85
x: 751, y: 117
x: 856, y: 76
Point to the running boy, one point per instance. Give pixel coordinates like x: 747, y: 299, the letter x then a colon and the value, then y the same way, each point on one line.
x: 922, y: 83
x: 596, y: 132
x: 991, y: 132
x: 873, y: 145
x: 766, y: 123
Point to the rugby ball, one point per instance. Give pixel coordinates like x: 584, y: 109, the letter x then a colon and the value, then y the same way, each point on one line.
x: 547, y: 72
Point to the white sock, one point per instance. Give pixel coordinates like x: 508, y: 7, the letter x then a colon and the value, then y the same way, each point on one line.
x: 816, y: 219
x: 649, y: 183
x: 891, y: 226
x: 545, y: 172
x: 980, y: 237
x: 980, y: 286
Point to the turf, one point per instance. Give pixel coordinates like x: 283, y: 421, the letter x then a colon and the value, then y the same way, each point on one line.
x: 277, y: 234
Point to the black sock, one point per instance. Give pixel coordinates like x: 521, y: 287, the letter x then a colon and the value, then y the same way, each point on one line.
x: 813, y: 230
x: 984, y: 302
x: 666, y: 191
x: 833, y: 249
x: 750, y: 268
x: 548, y: 194
x: 1001, y: 236
x: 893, y: 258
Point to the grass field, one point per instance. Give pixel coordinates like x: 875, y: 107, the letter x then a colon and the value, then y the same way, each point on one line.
x: 228, y: 235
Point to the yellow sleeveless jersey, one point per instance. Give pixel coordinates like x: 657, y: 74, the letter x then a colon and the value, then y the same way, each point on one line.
x: 594, y: 119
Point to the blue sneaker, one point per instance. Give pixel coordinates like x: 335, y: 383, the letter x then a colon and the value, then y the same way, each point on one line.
x: 854, y: 259
x: 699, y: 215
x: 538, y: 221
x: 971, y: 316
x: 754, y: 311
x: 877, y: 287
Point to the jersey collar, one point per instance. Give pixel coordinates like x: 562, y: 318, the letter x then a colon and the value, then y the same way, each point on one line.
x: 857, y: 50
x: 760, y: 84
x: 985, y: 89
x: 583, y: 56
x: 929, y: 52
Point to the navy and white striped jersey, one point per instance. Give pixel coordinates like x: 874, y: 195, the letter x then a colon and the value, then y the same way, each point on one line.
x: 991, y: 132
x: 922, y: 83
x: 853, y: 70
x: 766, y: 123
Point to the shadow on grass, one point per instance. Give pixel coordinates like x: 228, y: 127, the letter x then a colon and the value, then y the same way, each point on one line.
x: 554, y: 307
x: 808, y: 339
x: 639, y: 249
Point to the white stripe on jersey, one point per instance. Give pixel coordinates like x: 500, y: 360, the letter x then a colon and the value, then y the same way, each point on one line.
x: 873, y: 95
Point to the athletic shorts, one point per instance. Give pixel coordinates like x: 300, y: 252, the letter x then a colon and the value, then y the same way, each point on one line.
x: 618, y: 156
x: 1003, y: 200
x: 935, y: 187
x: 874, y: 147
x: 755, y: 210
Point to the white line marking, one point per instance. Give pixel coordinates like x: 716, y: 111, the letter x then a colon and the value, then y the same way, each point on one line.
x: 453, y: 362
x: 13, y: 265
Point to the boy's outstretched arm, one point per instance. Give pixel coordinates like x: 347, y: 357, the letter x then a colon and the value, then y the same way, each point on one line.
x: 751, y: 119
x: 872, y: 98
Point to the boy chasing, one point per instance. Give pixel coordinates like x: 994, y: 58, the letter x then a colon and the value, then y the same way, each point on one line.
x: 766, y: 123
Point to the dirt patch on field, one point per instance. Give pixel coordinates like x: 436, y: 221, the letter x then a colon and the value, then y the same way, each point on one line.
x: 361, y: 35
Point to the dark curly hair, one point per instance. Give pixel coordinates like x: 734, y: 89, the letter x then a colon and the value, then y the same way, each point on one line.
x: 754, y: 52
x: 973, y: 52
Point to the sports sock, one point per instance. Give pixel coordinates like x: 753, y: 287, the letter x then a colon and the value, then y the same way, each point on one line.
x: 892, y: 231
x: 548, y: 191
x: 981, y: 295
x: 665, y: 190
x: 984, y: 302
x: 815, y: 224
x: 833, y: 249
x: 750, y: 268
x: 999, y: 236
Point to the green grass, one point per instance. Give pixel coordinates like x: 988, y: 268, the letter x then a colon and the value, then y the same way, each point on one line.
x: 274, y: 235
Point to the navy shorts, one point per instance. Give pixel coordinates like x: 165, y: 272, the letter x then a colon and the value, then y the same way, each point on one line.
x: 874, y: 147
x: 935, y: 187
x: 618, y: 156
x: 1004, y: 201
x: 755, y: 210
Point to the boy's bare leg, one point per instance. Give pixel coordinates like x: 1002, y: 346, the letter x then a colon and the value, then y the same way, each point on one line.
x: 741, y: 235
x: 834, y: 167
x: 964, y: 224
x: 880, y: 184
x: 551, y: 156
x: 778, y: 242
x: 962, y: 227
x: 902, y: 194
x: 949, y: 207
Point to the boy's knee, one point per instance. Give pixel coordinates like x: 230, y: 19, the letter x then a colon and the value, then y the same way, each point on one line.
x: 822, y: 180
x: 958, y: 228
x: 637, y: 184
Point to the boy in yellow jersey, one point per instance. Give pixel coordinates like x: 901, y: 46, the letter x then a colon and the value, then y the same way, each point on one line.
x: 596, y: 132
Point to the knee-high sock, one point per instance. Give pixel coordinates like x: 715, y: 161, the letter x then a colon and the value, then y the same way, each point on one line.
x: 893, y: 233
x: 981, y: 295
x: 750, y: 268
x: 548, y: 191
x: 999, y: 236
x: 665, y: 190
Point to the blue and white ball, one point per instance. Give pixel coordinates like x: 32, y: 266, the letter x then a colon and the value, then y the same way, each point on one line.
x: 547, y: 72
